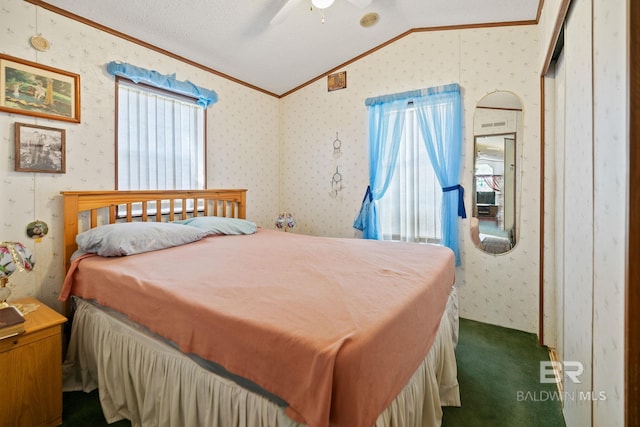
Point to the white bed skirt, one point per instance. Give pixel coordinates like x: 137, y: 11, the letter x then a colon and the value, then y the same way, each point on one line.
x: 149, y: 382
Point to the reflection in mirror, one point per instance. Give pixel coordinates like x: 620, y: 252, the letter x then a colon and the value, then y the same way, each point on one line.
x: 497, y: 131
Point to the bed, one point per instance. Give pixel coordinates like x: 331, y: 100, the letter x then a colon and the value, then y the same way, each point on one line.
x: 253, y: 328
x: 489, y: 243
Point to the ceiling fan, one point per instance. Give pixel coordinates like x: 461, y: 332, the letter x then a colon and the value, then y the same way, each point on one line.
x: 318, y: 4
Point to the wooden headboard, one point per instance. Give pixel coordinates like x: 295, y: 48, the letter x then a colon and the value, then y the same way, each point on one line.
x: 89, y: 209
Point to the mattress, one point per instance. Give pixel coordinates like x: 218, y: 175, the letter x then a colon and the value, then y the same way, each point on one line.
x: 317, y: 322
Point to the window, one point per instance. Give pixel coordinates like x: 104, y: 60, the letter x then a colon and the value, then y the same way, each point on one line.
x: 434, y: 117
x: 410, y: 208
x: 160, y: 139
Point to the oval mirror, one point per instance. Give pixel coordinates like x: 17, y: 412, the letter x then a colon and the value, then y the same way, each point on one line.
x: 497, y: 145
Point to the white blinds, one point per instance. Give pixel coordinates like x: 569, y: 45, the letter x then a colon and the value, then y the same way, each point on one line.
x: 160, y: 140
x: 410, y: 209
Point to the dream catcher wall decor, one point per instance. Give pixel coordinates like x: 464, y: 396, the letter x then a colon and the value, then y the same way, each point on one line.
x: 337, y: 184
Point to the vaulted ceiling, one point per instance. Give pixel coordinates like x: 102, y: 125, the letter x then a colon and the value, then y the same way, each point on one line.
x: 277, y: 46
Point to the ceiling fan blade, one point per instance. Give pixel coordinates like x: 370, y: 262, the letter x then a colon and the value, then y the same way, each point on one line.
x: 361, y: 3
x: 284, y: 11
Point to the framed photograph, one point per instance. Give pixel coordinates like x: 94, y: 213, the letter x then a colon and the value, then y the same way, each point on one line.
x: 337, y: 81
x: 38, y: 90
x: 39, y: 149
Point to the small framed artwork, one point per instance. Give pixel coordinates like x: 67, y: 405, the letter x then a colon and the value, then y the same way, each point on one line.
x: 39, y: 149
x: 38, y: 90
x: 337, y: 81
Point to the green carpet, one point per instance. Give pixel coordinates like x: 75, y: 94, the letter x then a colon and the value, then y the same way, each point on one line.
x: 499, y: 377
x: 80, y: 409
x: 490, y: 227
x: 498, y: 371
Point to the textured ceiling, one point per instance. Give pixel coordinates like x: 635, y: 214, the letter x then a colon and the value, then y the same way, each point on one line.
x: 237, y: 38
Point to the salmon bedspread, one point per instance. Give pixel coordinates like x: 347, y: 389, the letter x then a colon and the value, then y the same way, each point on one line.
x: 334, y: 326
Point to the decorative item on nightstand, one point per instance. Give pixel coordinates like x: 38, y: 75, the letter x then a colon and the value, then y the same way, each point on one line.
x: 285, y: 221
x: 11, y: 322
x: 14, y: 256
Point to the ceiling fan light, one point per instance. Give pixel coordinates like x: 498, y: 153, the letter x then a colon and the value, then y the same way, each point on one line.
x: 369, y: 19
x: 321, y: 4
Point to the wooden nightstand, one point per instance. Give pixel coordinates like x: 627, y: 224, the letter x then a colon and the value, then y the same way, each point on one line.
x: 31, y: 371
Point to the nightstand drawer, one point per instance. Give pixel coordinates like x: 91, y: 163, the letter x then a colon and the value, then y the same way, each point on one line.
x: 27, y: 338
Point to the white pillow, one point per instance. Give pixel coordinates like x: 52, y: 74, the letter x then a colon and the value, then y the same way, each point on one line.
x: 129, y: 238
x: 221, y: 225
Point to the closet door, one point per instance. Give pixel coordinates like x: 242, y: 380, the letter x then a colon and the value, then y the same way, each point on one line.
x: 556, y: 156
x: 577, y: 225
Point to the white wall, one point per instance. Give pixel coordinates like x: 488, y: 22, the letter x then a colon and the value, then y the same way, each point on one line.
x: 498, y: 289
x: 242, y: 136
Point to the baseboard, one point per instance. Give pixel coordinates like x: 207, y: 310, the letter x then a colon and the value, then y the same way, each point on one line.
x: 557, y: 371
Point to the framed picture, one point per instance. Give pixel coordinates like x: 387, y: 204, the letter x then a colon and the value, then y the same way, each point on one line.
x: 38, y: 90
x: 337, y: 81
x: 39, y: 149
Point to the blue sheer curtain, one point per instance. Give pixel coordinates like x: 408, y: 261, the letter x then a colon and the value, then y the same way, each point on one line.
x: 386, y: 125
x: 440, y: 116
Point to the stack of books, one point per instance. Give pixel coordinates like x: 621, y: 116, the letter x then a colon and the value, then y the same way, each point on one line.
x: 11, y: 322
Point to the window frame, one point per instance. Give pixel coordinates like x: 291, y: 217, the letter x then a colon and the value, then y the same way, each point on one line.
x: 164, y: 92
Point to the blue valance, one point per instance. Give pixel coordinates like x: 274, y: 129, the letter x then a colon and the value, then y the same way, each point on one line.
x: 453, y: 87
x: 205, y: 97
